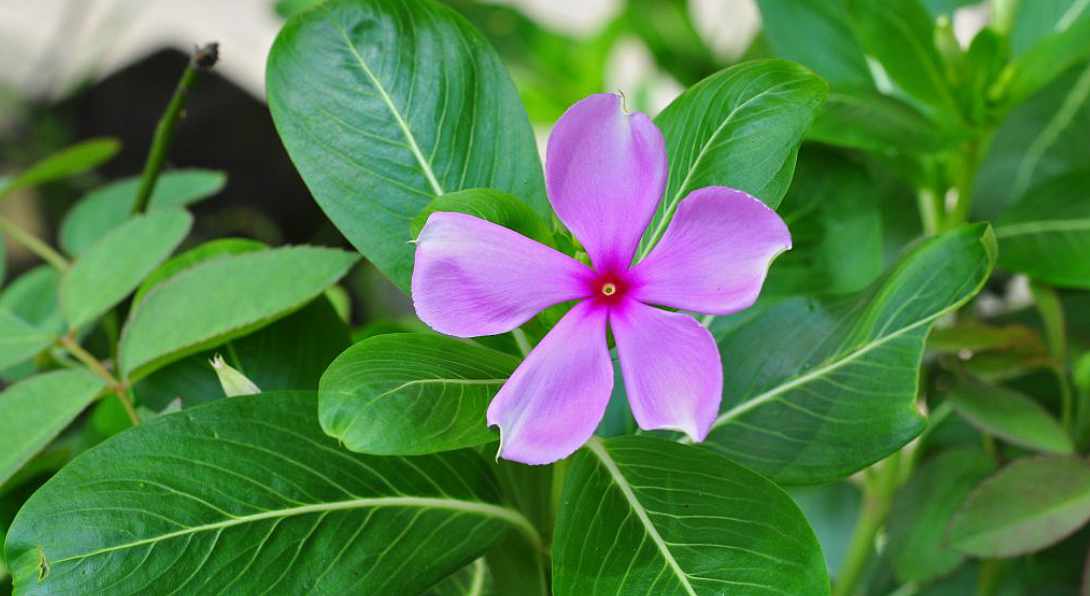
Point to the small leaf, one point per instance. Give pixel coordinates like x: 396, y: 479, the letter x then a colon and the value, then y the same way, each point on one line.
x: 74, y: 160
x: 407, y: 394
x: 490, y: 205
x: 641, y: 515
x: 224, y: 298
x: 114, y: 266
x: 37, y: 409
x: 1029, y: 505
x: 246, y: 495
x: 20, y: 340
x: 109, y: 206
x: 1011, y: 416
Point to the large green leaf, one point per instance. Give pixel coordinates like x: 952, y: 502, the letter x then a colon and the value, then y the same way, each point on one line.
x: 73, y: 160
x: 817, y: 34
x: 384, y: 105
x: 114, y: 266
x: 643, y: 516
x: 832, y: 385
x: 740, y: 127
x: 874, y: 122
x: 247, y: 495
x: 1011, y: 416
x: 19, y: 340
x: 109, y: 206
x: 1046, y: 235
x: 37, y: 410
x: 1039, y: 18
x: 917, y: 533
x: 1046, y: 60
x: 490, y: 205
x: 222, y: 299
x: 1030, y: 504
x: 408, y: 393
x: 213, y: 249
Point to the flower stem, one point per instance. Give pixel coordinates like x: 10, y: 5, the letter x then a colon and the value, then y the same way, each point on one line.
x: 881, y: 483
x: 930, y: 205
x: 92, y: 363
x: 34, y: 245
x: 204, y: 58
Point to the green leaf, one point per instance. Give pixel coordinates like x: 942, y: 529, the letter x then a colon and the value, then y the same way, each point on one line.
x: 491, y: 205
x: 114, y: 266
x: 836, y: 229
x: 947, y: 7
x: 832, y: 510
x: 76, y: 159
x: 740, y: 127
x: 208, y: 251
x: 402, y: 102
x: 290, y: 354
x: 901, y: 35
x: 1011, y: 416
x: 817, y: 34
x: 833, y: 386
x: 109, y: 206
x: 20, y: 340
x: 1046, y: 235
x: 37, y: 410
x: 641, y: 515
x: 408, y: 394
x: 33, y: 297
x: 1045, y: 61
x: 247, y: 495
x: 1039, y: 18
x: 917, y: 533
x: 1030, y: 504
x: 874, y: 122
x: 222, y: 299
x: 471, y: 580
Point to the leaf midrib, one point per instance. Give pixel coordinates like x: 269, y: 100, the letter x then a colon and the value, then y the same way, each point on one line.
x: 1021, y: 521
x: 598, y: 449
x: 1038, y: 227
x: 510, y: 516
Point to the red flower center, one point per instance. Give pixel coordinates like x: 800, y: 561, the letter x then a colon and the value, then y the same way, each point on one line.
x: 608, y: 288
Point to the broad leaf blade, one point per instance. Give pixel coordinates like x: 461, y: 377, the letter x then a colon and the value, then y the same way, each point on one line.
x: 1030, y: 504
x: 1011, y: 416
x: 833, y: 386
x: 222, y: 299
x: 109, y: 206
x: 247, y: 495
x: 874, y: 122
x: 490, y: 205
x: 640, y: 515
x: 817, y: 34
x: 37, y: 410
x: 20, y: 340
x: 73, y: 160
x: 114, y: 266
x: 741, y: 128
x: 402, y: 101
x: 408, y: 394
x: 208, y: 251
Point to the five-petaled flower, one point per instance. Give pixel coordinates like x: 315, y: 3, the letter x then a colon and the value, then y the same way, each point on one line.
x: 606, y: 172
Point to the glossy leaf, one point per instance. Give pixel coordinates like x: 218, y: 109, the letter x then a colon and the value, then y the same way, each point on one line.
x: 640, y: 515
x: 817, y: 34
x: 247, y: 495
x: 71, y: 161
x: 833, y: 386
x: 402, y: 102
x: 1046, y: 235
x: 740, y: 127
x: 875, y: 122
x: 1011, y: 416
x: 471, y: 580
x: 222, y: 299
x: 37, y: 410
x: 20, y: 340
x: 918, y: 545
x: 208, y: 251
x: 1030, y: 504
x: 114, y: 266
x: 109, y: 206
x: 490, y: 205
x: 407, y: 394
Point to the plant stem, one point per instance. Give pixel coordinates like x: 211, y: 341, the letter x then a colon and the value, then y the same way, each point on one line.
x: 878, y: 493
x: 965, y: 182
x: 34, y: 245
x: 119, y: 389
x: 204, y: 58
x: 988, y: 579
x: 930, y: 205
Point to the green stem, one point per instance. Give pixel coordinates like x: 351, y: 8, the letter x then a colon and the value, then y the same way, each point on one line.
x: 966, y: 179
x: 878, y: 493
x: 989, y: 576
x: 34, y: 245
x: 92, y: 363
x: 204, y: 58
x: 931, y: 209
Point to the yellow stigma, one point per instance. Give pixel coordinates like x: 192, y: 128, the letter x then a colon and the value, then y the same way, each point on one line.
x: 609, y: 289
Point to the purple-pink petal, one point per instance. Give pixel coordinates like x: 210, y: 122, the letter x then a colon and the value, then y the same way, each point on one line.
x: 606, y: 171
x: 714, y: 255
x: 554, y: 400
x: 671, y: 368
x: 473, y: 277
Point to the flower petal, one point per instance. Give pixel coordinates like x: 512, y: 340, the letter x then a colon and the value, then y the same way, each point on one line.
x: 553, y: 402
x: 671, y: 368
x: 473, y: 277
x: 714, y: 255
x: 606, y: 171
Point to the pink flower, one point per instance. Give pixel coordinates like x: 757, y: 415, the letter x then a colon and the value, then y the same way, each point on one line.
x: 606, y: 172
